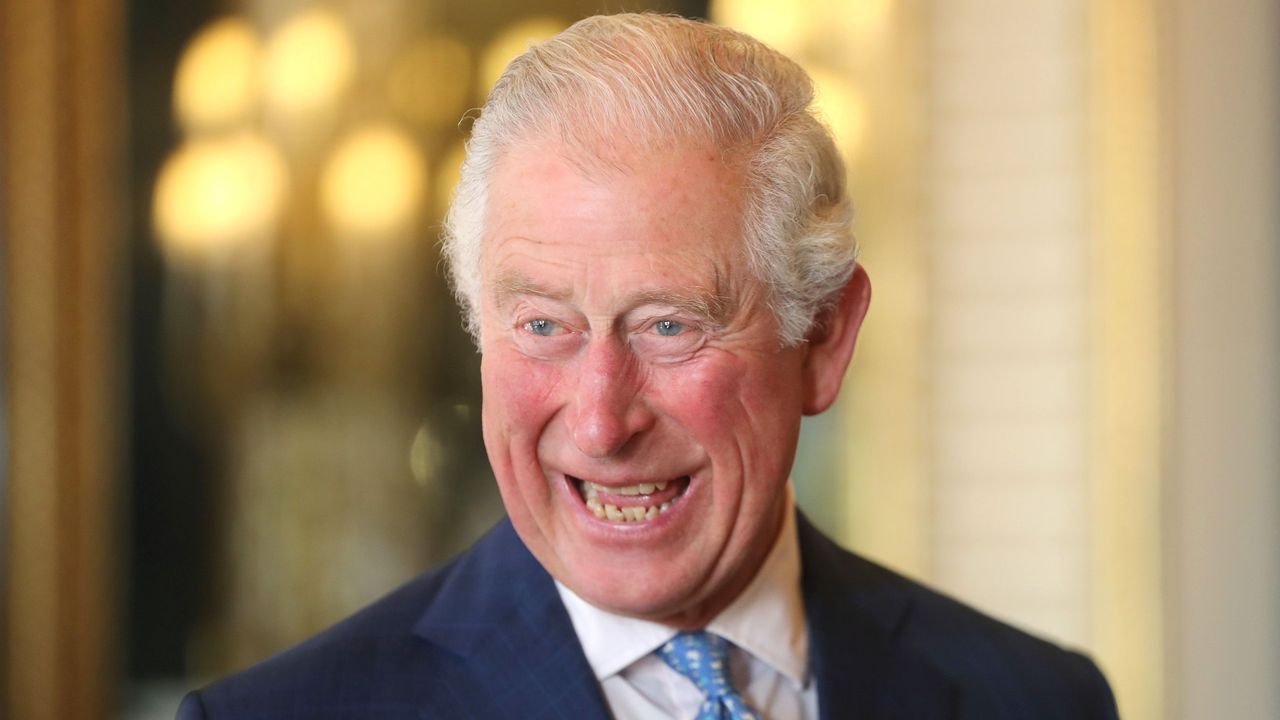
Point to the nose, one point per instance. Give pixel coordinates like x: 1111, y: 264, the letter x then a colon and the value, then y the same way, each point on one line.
x: 608, y: 410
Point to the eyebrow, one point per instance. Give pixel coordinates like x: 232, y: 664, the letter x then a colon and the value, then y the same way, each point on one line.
x: 715, y: 305
x: 513, y: 283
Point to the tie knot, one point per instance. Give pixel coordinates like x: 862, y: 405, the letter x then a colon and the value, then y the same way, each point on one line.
x: 704, y: 659
x: 701, y: 657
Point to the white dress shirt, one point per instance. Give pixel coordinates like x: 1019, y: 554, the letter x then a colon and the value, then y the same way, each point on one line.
x: 769, y: 659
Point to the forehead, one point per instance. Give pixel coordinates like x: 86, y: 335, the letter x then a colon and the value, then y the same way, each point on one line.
x: 660, y: 217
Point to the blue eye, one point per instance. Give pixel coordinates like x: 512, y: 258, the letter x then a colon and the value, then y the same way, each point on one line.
x: 541, y: 326
x: 668, y: 328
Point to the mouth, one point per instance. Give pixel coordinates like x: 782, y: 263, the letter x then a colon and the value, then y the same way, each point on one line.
x: 636, y: 503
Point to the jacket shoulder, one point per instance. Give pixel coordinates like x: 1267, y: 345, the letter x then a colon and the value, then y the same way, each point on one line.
x: 1001, y: 666
x: 996, y: 669
x: 372, y: 664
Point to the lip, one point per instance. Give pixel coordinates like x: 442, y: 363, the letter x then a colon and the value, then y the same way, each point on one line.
x: 611, y: 532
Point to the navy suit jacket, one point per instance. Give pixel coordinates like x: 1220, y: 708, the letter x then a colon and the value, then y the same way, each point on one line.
x: 486, y: 636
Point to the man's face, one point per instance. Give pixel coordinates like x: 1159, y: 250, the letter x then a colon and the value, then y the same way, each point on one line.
x: 639, y: 414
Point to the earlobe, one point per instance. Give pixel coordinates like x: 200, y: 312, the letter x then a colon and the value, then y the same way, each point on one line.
x: 831, y: 343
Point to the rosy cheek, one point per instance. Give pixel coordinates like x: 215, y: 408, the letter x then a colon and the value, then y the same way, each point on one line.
x: 712, y: 397
x: 521, y: 393
x: 701, y: 395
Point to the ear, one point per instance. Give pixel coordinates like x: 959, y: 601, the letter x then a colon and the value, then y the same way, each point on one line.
x: 831, y: 343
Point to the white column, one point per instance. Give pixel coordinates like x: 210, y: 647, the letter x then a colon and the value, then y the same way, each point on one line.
x: 1008, y: 164
x: 1224, y: 505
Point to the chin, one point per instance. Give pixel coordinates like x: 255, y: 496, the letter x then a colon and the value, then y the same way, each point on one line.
x: 647, y: 591
x: 648, y: 601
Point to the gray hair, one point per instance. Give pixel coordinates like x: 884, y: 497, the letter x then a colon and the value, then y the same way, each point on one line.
x: 660, y: 77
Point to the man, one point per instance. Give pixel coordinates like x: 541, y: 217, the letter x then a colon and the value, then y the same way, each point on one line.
x: 652, y: 244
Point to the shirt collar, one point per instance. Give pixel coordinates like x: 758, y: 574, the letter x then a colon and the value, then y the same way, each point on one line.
x: 766, y: 620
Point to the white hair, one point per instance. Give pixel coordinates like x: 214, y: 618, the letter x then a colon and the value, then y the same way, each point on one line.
x: 658, y: 78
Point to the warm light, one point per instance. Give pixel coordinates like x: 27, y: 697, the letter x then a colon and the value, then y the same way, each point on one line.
x: 842, y: 107
x: 309, y: 63
x: 213, y: 195
x: 865, y: 17
x: 447, y: 174
x: 779, y: 24
x: 374, y: 182
x: 216, y: 84
x: 429, y: 82
x: 426, y: 456
x: 511, y: 42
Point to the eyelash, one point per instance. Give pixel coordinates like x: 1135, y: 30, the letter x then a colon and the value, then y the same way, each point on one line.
x: 646, y: 339
x: 656, y: 326
x: 554, y: 327
x: 682, y: 326
x: 532, y: 325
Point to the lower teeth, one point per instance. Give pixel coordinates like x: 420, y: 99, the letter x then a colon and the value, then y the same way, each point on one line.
x: 635, y: 513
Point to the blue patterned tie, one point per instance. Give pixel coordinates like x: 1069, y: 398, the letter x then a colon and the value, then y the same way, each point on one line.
x: 704, y: 659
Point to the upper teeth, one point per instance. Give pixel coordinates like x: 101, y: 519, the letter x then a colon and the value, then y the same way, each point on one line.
x: 591, y: 493
x: 638, y: 489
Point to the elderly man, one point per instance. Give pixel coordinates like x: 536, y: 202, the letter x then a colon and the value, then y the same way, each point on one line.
x: 652, y: 245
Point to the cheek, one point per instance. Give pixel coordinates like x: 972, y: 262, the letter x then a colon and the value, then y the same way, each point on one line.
x: 704, y: 397
x: 728, y: 391
x: 740, y: 411
x: 519, y: 402
x: 520, y: 393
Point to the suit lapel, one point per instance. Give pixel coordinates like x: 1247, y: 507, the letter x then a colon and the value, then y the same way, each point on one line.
x: 855, y: 612
x: 518, y: 654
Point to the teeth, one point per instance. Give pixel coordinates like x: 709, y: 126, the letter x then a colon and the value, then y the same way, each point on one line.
x: 591, y: 488
x: 634, y: 513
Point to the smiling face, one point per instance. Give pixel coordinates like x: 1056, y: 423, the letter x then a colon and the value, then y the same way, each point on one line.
x: 639, y: 414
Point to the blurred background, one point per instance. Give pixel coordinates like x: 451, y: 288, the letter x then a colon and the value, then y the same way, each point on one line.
x: 238, y: 404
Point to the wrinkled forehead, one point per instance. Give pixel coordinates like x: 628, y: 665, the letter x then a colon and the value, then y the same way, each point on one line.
x: 669, y: 178
x: 673, y: 213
